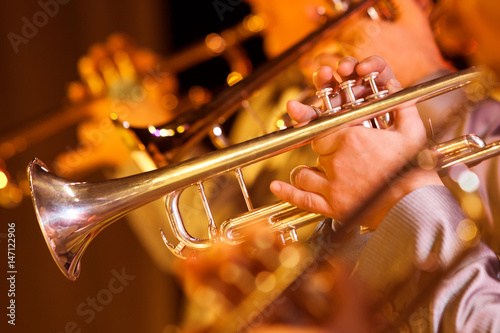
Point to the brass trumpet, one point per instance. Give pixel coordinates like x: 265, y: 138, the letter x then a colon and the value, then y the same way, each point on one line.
x: 71, y: 214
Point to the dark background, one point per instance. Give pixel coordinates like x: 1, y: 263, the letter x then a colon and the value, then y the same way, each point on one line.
x: 32, y: 86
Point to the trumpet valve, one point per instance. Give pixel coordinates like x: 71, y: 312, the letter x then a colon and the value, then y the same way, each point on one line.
x: 346, y: 86
x: 326, y: 94
x: 290, y: 236
x: 376, y: 94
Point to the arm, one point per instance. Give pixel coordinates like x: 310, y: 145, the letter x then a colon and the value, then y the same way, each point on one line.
x: 426, y: 249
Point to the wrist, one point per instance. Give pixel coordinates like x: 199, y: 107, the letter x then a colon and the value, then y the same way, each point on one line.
x: 403, y: 186
x: 414, y: 180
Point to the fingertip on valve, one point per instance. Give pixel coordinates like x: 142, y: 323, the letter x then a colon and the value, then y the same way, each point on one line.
x: 275, y: 186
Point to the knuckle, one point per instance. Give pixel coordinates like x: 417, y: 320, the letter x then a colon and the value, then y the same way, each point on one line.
x: 308, y: 201
x: 348, y: 138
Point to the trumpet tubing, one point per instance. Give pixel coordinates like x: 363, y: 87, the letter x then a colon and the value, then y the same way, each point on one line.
x: 468, y: 149
x: 71, y: 214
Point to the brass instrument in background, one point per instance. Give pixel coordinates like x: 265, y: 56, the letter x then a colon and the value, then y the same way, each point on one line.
x: 79, y: 108
x: 71, y: 214
x: 190, y: 127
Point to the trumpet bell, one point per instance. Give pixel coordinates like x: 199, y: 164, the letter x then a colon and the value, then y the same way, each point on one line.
x: 63, y: 237
x: 70, y: 214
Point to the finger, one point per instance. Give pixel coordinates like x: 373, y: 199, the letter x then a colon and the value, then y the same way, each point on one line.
x: 304, y: 200
x: 407, y: 119
x: 326, y: 144
x: 323, y: 77
x: 376, y: 64
x: 124, y: 65
x: 90, y: 76
x: 108, y: 71
x: 408, y: 122
x: 299, y: 112
x: 309, y: 179
x: 97, y: 52
x: 346, y: 68
x: 393, y: 85
x: 386, y: 78
x: 405, y: 114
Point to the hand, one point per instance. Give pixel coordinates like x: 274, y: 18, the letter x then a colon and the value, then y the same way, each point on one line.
x: 121, y: 80
x: 354, y: 162
x: 119, y: 77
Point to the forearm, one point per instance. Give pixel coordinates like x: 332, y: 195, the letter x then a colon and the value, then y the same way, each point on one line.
x: 419, y: 243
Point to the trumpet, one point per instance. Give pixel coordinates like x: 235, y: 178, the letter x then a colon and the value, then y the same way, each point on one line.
x: 71, y: 214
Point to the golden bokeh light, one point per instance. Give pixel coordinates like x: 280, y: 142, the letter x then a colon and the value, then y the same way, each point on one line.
x: 233, y: 78
x: 3, y: 180
x: 254, y: 23
x: 467, y: 230
x: 215, y: 43
x: 427, y: 159
x: 472, y: 206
